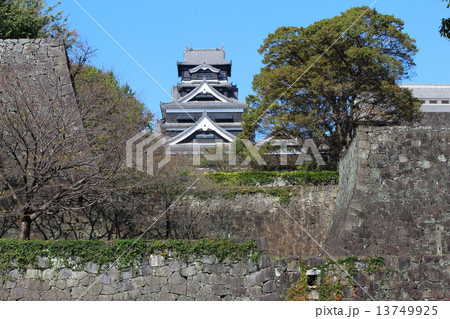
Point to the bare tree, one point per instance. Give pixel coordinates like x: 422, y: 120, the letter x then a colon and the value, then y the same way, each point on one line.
x: 49, y: 158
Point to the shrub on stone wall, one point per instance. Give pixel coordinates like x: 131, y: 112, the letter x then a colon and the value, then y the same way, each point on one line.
x: 125, y: 253
x: 254, y: 178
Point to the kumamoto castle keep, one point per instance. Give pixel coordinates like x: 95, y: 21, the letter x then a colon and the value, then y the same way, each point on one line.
x: 384, y: 216
x: 204, y: 109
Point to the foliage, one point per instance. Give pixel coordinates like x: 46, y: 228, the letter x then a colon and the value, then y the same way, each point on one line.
x: 76, y: 254
x: 324, y: 80
x: 330, y: 287
x: 254, y: 178
x: 283, y: 194
x: 315, y: 167
x: 101, y: 94
x: 32, y: 19
x: 445, y: 24
x: 299, y: 292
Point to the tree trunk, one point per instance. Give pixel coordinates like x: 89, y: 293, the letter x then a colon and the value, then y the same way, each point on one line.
x: 25, y: 227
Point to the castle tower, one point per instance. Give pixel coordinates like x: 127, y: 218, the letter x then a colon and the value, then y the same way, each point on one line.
x: 204, y: 109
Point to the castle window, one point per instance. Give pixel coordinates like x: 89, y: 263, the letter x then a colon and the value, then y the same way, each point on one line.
x: 445, y: 102
x: 201, y: 75
x: 433, y: 101
x: 223, y: 118
x: 185, y: 119
x: 222, y: 75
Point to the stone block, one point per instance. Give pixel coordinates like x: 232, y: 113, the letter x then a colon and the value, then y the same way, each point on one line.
x: 105, y: 298
x: 270, y: 297
x: 63, y: 295
x: 78, y: 275
x: 189, y: 271
x: 121, y: 296
x: 60, y: 284
x: 166, y: 297
x: 175, y: 265
x: 239, y: 269
x: 203, y: 278
x: 204, y: 292
x: 72, y: 283
x: 151, y: 280
x: 177, y: 279
x: 92, y: 268
x: 255, y: 292
x: 156, y: 260
x: 114, y: 274
x: 211, y: 268
x: 259, y: 277
x: 193, y: 287
x: 33, y: 273
x: 178, y: 289
x: 65, y: 273
x: 30, y: 284
x: 185, y: 298
x: 49, y: 295
x: 48, y: 274
x: 108, y: 290
x: 269, y: 287
x: 14, y: 274
x: 127, y: 274
x: 220, y: 290
x: 104, y: 279
x: 18, y: 293
x: 237, y: 282
x: 264, y: 262
x: 208, y: 260
x: 135, y: 294
x: 86, y: 281
x: 126, y: 286
x: 163, y: 271
x: 95, y: 289
x: 238, y: 291
x: 138, y: 282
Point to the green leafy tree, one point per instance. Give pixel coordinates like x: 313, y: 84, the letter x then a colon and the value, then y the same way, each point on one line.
x: 112, y: 106
x: 324, y: 80
x: 32, y: 19
x: 445, y: 24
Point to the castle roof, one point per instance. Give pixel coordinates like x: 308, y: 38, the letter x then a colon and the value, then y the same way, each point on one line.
x: 204, y: 124
x: 204, y: 56
x: 429, y: 91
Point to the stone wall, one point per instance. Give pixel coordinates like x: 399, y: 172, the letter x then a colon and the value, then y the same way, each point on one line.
x: 401, y: 278
x: 393, y: 194
x: 164, y: 278
x: 436, y: 119
x: 261, y: 215
x: 42, y: 60
x: 157, y: 278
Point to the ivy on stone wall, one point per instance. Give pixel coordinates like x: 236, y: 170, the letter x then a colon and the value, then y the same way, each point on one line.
x: 331, y: 286
x: 254, y: 178
x: 284, y: 194
x: 76, y: 254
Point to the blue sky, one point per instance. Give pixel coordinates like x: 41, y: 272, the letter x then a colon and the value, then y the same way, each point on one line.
x: 155, y: 33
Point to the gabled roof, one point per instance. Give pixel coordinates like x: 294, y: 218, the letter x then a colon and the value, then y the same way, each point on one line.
x: 204, y: 123
x: 204, y: 67
x: 204, y: 88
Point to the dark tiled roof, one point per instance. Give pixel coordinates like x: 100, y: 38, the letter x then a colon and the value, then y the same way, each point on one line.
x: 202, y: 105
x: 204, y: 56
